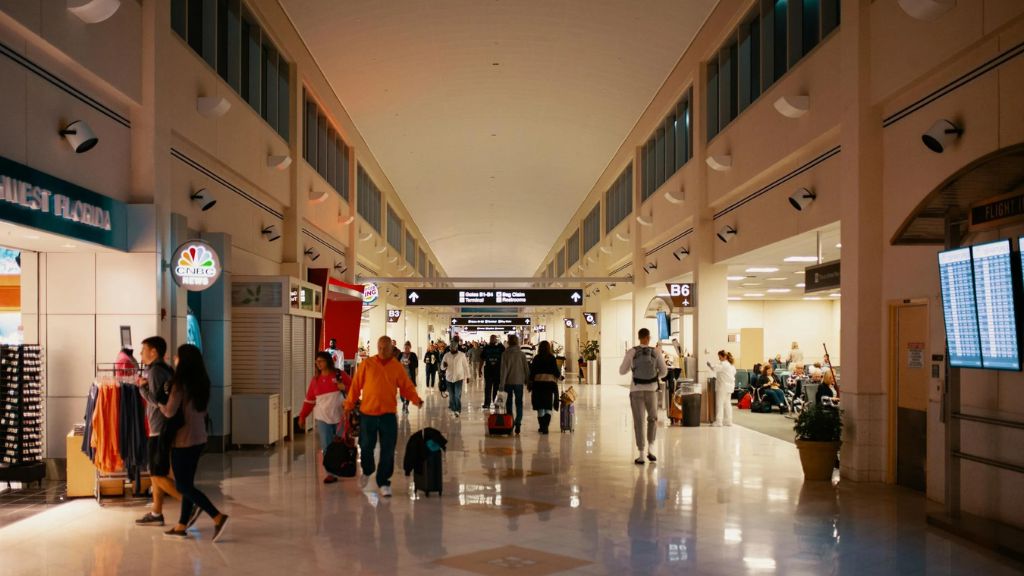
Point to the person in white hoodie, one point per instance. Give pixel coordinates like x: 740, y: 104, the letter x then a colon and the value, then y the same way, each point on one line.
x: 646, y: 366
x: 455, y: 367
x: 725, y: 383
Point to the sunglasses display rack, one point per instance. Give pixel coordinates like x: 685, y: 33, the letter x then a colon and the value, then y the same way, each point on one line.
x: 21, y: 413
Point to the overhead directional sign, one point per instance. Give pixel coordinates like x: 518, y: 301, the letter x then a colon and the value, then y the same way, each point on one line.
x: 493, y: 297
x: 682, y: 295
x: 590, y: 318
x: 569, y: 322
x: 481, y: 321
x: 394, y: 315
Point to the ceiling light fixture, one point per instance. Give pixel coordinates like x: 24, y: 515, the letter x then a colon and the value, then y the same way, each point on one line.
x: 840, y: 245
x: 279, y: 162
x: 340, y: 267
x: 753, y: 295
x: 365, y: 237
x: 621, y: 237
x: 672, y: 198
x: 926, y: 9
x: 650, y: 266
x: 681, y: 253
x: 735, y: 298
x: 802, y: 198
x: 645, y: 220
x: 793, y: 106
x: 761, y: 270
x: 345, y: 221
x: 811, y: 259
x: 735, y: 278
x: 835, y: 294
x: 778, y: 290
x: 212, y: 106
x: 777, y: 279
x: 727, y: 233
x: 801, y: 285
x: 382, y: 249
x: 720, y: 162
x: 270, y: 233
x: 312, y: 253
x: 317, y: 197
x: 811, y: 298
x: 94, y: 11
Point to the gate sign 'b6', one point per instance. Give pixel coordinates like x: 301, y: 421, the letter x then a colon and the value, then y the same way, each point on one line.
x: 683, y: 295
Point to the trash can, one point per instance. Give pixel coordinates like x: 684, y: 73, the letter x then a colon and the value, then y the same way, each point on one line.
x: 691, y: 394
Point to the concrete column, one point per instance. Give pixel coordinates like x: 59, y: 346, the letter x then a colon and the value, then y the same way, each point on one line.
x: 216, y: 329
x: 862, y: 315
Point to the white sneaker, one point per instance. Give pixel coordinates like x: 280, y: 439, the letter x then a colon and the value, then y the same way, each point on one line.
x: 363, y: 480
x: 385, y: 491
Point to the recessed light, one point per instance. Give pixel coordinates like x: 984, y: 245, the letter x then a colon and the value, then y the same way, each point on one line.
x: 801, y: 285
x: 753, y: 295
x: 762, y: 270
x: 735, y: 298
x: 32, y: 236
x: 778, y: 279
x: 750, y: 284
x: 68, y: 246
x: 800, y: 272
x: 800, y: 259
x: 811, y: 298
x: 840, y: 245
x: 735, y: 278
x: 779, y: 290
x: 834, y: 295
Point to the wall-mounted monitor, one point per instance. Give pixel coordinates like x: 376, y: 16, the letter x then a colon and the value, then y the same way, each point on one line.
x: 997, y: 313
x: 959, y: 308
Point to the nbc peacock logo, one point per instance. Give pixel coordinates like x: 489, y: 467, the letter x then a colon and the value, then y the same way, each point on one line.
x: 197, y: 266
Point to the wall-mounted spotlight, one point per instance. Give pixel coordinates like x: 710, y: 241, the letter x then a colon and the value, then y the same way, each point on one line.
x: 212, y: 106
x: 346, y: 220
x: 80, y: 136
x: 279, y: 162
x: 365, y: 237
x: 610, y: 285
x: 943, y: 133
x: 926, y: 9
x: 93, y: 11
x: 312, y: 253
x: 647, y: 220
x: 270, y: 233
x: 720, y: 163
x: 793, y: 106
x: 382, y: 249
x: 621, y: 237
x: 681, y: 253
x: 340, y: 268
x: 650, y: 267
x: 204, y: 198
x: 673, y: 198
x: 317, y: 197
x: 393, y: 259
x: 727, y: 233
x: 802, y: 198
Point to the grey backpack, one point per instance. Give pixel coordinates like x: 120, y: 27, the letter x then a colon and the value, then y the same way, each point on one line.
x: 645, y: 365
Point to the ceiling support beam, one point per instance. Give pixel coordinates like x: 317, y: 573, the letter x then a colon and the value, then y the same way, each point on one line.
x: 570, y: 281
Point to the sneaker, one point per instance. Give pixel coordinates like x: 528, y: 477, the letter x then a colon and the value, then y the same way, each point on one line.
x: 173, y: 534
x: 385, y: 491
x: 330, y: 479
x: 218, y: 529
x: 639, y: 461
x: 517, y: 430
x: 457, y: 415
x: 150, y: 519
x: 651, y: 457
x: 364, y: 480
x: 196, y: 511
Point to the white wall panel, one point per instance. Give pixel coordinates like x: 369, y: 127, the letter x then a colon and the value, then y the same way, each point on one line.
x: 70, y: 354
x: 126, y: 283
x: 71, y: 284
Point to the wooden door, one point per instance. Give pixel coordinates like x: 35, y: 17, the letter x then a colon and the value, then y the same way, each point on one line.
x: 911, y: 395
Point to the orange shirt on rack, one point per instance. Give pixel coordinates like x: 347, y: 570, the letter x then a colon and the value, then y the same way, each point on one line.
x: 105, y: 429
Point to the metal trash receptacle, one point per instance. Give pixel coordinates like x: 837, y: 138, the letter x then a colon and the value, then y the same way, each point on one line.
x: 691, y: 395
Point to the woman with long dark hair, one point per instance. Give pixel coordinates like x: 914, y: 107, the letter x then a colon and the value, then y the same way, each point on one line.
x: 544, y: 375
x: 187, y: 405
x: 324, y: 396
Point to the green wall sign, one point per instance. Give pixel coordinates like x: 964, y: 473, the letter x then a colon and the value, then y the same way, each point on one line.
x: 36, y: 199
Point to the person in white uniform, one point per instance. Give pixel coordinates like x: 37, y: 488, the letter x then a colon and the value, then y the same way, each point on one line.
x: 725, y: 383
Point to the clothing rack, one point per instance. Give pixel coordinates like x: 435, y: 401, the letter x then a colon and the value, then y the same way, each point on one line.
x: 122, y: 377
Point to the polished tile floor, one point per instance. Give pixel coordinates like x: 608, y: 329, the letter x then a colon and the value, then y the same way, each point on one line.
x: 719, y: 501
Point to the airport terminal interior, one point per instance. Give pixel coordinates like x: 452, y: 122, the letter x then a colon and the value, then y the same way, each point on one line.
x: 511, y: 287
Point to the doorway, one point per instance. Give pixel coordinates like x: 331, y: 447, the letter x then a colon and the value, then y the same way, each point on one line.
x: 909, y: 323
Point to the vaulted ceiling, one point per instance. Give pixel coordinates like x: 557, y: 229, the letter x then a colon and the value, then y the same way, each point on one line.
x: 494, y: 118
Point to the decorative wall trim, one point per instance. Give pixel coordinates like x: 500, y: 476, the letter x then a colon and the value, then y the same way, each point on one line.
x: 224, y: 182
x: 670, y: 241
x: 760, y: 192
x: 323, y: 242
x: 957, y: 83
x: 621, y: 268
x: 41, y: 72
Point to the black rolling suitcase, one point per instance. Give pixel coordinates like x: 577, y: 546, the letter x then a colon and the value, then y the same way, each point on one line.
x: 429, y: 475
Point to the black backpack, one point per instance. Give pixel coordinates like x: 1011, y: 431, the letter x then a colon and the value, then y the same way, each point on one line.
x: 645, y: 365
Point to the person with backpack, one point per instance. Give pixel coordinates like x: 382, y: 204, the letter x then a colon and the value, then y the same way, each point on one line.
x: 646, y: 366
x: 491, y: 355
x: 323, y: 399
x: 725, y: 383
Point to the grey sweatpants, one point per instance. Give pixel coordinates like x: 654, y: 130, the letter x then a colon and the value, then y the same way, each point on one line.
x: 641, y: 401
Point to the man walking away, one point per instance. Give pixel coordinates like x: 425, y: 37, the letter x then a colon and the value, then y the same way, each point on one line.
x: 456, y: 366
x: 476, y: 358
x: 492, y: 369
x: 155, y: 387
x: 514, y: 372
x: 528, y: 348
x: 646, y: 366
x: 377, y: 383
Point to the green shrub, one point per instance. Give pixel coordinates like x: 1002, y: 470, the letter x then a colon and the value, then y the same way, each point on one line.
x: 819, y: 424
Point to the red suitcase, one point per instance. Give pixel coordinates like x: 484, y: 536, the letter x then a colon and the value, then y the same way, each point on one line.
x: 500, y: 424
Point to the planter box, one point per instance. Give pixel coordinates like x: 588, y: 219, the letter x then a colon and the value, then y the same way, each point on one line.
x: 818, y: 459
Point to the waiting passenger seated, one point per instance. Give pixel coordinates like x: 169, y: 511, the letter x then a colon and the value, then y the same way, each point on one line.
x: 828, y: 394
x: 796, y: 379
x: 770, y: 389
x: 816, y: 372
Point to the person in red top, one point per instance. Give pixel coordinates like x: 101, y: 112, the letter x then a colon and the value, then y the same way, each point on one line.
x: 323, y: 400
x: 378, y: 381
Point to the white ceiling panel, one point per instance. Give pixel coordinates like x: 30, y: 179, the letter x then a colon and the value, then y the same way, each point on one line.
x: 492, y: 118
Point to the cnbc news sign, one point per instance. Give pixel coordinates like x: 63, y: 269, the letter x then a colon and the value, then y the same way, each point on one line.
x: 196, y: 266
x: 36, y: 199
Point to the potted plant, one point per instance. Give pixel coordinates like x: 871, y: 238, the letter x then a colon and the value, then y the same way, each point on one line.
x: 818, y: 431
x: 591, y: 351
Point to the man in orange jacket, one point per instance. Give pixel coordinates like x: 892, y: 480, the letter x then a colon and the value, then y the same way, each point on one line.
x: 377, y: 383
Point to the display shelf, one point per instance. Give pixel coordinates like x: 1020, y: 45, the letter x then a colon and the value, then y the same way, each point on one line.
x: 21, y: 414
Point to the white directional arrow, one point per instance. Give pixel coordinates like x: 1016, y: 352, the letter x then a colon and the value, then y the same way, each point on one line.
x: 527, y: 321
x: 413, y: 297
x: 575, y: 297
x: 454, y: 321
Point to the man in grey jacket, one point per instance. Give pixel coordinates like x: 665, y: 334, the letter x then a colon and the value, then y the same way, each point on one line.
x: 514, y: 372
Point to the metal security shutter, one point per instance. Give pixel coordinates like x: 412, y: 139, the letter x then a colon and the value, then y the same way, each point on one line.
x: 299, y: 361
x: 256, y: 345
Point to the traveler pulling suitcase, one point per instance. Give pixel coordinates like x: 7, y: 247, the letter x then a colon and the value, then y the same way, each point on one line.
x: 567, y: 410
x: 429, y: 476
x: 498, y: 422
x: 675, y: 406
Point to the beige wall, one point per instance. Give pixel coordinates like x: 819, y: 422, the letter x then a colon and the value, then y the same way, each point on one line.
x: 809, y: 323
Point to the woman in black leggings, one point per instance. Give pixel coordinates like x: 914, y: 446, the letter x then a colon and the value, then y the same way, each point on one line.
x: 190, y: 396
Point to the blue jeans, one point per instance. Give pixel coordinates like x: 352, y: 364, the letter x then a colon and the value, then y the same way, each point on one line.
x: 327, y: 433
x: 455, y: 396
x: 386, y: 427
x: 775, y: 397
x: 515, y: 390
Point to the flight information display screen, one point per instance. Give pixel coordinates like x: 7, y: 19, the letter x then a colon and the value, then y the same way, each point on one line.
x: 959, y: 309
x: 997, y: 314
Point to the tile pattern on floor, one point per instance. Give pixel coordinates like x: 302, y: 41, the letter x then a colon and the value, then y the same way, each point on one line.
x: 512, y: 560
x: 718, y: 501
x: 20, y: 503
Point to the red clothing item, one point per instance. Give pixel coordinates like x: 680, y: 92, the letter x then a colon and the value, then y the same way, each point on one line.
x: 323, y: 398
x: 106, y: 420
